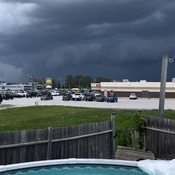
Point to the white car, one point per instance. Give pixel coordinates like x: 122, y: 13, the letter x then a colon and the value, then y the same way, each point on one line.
x: 54, y: 93
x: 133, y: 96
x: 96, y: 93
x: 22, y: 94
x: 77, y: 97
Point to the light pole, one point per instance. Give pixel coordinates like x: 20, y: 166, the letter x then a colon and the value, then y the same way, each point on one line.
x: 60, y: 82
x: 31, y: 76
x: 2, y: 81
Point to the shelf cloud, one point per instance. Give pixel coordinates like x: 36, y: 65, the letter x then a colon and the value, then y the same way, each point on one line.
x: 113, y: 39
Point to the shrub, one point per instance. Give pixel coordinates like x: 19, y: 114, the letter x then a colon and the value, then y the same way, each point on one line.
x: 139, y: 125
x: 123, y: 138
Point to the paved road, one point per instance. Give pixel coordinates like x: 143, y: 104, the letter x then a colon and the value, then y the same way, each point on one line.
x: 123, y: 103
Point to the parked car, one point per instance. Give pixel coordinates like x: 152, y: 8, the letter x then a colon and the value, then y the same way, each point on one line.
x: 1, y: 99
x: 60, y: 92
x: 89, y: 97
x: 46, y: 96
x: 96, y: 93
x: 112, y: 98
x: 133, y: 96
x: 7, y: 96
x: 31, y: 94
x: 22, y: 94
x: 39, y: 93
x: 54, y: 93
x: 16, y: 95
x: 66, y: 97
x: 77, y: 97
x: 100, y: 98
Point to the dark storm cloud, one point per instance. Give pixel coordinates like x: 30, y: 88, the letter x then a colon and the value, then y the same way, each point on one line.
x: 115, y: 39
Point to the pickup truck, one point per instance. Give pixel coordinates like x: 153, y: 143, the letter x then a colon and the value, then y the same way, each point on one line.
x: 77, y: 97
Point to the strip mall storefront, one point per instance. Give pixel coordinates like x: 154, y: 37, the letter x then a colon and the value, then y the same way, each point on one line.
x: 142, y: 89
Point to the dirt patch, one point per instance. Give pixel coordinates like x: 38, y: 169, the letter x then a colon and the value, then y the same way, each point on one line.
x: 2, y: 106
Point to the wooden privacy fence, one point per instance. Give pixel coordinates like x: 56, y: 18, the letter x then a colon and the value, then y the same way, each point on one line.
x: 95, y: 140
x: 160, y: 137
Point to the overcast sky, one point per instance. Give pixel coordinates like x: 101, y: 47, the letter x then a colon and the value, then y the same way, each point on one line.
x: 116, y: 39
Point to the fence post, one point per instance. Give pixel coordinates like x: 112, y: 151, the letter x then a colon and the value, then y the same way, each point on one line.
x: 49, y: 146
x: 22, y: 149
x: 113, y: 134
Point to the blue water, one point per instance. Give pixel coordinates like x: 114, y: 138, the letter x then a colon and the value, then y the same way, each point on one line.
x: 78, y: 170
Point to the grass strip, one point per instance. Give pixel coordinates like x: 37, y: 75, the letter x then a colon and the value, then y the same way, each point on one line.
x: 40, y: 117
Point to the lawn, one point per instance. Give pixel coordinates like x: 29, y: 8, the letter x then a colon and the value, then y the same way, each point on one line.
x: 39, y: 117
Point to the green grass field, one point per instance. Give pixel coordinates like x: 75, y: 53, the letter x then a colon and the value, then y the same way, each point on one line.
x: 39, y: 117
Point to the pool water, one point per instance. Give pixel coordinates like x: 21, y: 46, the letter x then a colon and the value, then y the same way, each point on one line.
x: 78, y: 170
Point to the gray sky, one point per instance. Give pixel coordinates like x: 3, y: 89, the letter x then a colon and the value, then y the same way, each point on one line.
x: 117, y: 39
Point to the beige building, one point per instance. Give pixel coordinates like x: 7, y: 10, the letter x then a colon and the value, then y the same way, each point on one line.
x: 142, y: 89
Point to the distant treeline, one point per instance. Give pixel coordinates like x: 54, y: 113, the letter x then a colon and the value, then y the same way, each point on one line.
x: 78, y: 81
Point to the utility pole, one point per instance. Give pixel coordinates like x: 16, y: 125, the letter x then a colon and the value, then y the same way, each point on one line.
x: 163, y: 85
x: 1, y: 82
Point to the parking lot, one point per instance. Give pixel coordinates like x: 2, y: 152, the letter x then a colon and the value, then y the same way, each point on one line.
x: 123, y: 103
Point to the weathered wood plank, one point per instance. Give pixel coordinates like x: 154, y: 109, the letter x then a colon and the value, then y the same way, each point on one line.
x: 126, y: 153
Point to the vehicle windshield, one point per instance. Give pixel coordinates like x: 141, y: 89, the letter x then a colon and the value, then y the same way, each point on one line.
x: 88, y: 94
x: 111, y: 96
x: 45, y: 93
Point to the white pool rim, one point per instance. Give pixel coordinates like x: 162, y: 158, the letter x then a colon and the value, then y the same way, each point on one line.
x: 71, y: 161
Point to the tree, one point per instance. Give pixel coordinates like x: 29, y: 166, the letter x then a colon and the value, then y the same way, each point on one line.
x: 87, y: 80
x: 41, y: 81
x: 102, y: 79
x: 78, y: 80
x: 69, y: 81
x: 55, y: 84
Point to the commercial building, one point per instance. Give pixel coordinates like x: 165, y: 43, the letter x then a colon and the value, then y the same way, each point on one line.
x: 20, y: 87
x: 142, y: 89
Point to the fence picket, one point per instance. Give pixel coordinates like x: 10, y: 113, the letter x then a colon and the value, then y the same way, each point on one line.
x: 160, y: 137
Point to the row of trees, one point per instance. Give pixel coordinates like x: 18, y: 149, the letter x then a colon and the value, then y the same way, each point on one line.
x: 78, y: 81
